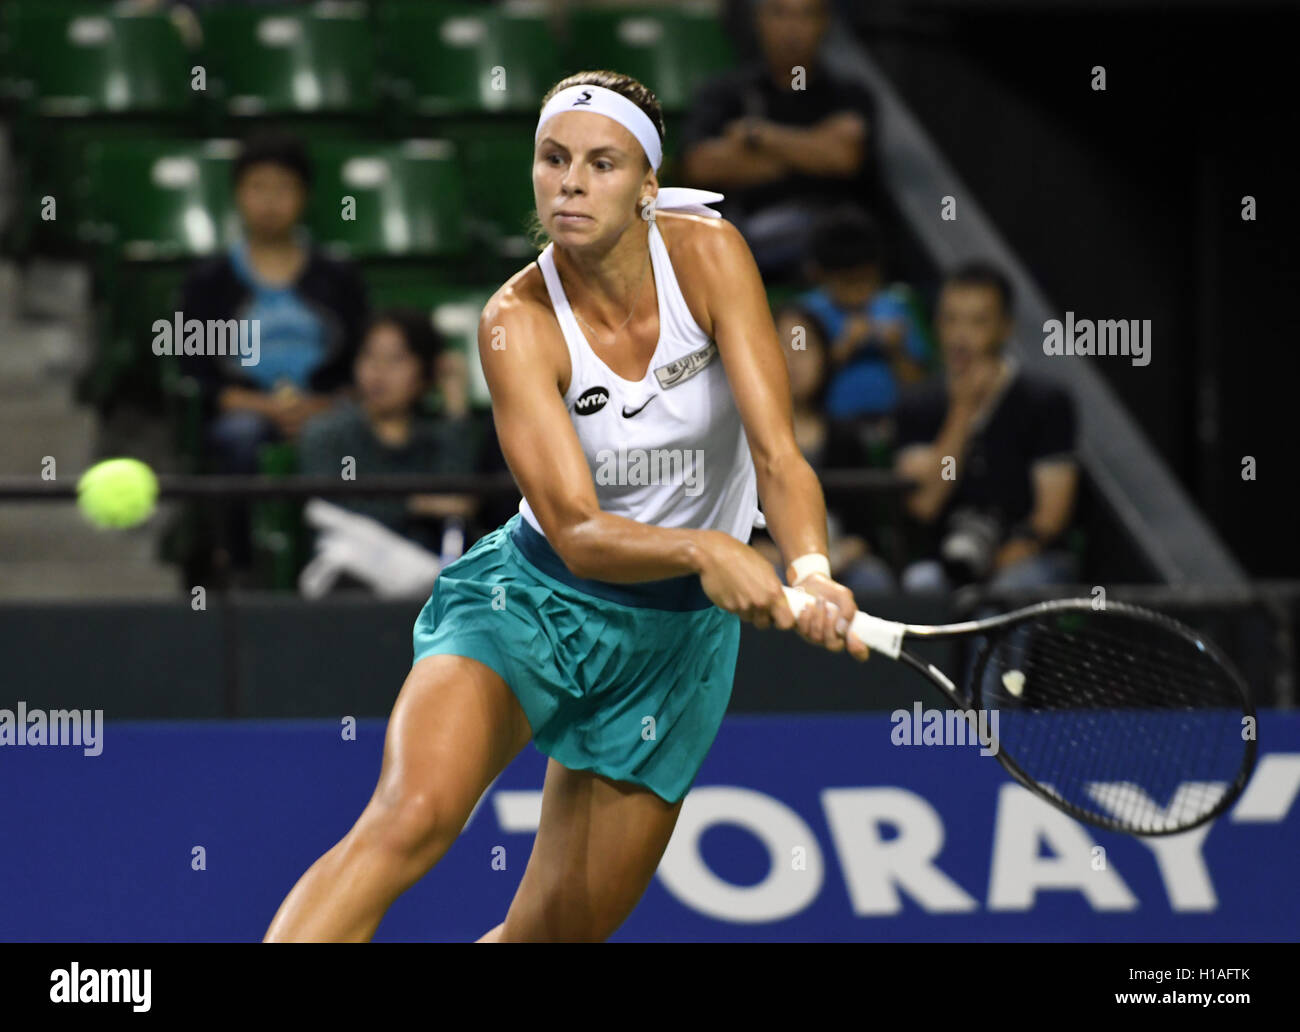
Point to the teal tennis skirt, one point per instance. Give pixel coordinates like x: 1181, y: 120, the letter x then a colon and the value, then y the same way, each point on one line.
x: 629, y: 681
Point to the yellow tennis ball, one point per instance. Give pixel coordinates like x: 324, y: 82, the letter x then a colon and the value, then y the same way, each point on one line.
x: 117, y: 493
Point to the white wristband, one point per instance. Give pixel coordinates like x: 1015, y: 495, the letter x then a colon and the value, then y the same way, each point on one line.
x: 806, y: 565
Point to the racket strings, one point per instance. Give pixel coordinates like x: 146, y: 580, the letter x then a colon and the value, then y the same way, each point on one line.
x: 1156, y: 660
x: 1118, y: 717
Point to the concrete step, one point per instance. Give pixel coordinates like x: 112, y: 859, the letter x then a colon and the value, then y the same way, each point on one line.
x: 32, y: 430
x: 48, y: 550
x: 109, y: 579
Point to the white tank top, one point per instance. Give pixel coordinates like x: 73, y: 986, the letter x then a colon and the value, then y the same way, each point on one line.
x: 669, y: 449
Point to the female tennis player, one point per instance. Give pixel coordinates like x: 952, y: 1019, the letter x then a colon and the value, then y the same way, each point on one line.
x: 642, y: 403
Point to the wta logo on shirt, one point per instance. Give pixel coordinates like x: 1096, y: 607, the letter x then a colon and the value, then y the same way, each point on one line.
x: 591, y: 401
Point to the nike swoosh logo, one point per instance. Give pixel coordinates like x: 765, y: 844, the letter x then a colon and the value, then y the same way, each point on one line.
x: 629, y: 415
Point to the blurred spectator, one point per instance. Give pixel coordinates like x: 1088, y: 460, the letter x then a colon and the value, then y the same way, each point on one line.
x: 827, y: 446
x: 309, y: 308
x: 309, y: 311
x: 388, y: 430
x: 991, y: 448
x: 782, y: 144
x: 875, y: 344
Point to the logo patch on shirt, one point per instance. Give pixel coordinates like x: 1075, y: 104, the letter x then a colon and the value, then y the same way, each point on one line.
x: 682, y: 369
x: 591, y: 401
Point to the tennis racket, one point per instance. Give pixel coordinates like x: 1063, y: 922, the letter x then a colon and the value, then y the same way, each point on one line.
x: 1121, y: 717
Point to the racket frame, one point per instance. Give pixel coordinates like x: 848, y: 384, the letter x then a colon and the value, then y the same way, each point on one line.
x: 888, y: 637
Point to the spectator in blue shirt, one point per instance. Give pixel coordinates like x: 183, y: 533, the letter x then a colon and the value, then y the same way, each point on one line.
x: 873, y: 342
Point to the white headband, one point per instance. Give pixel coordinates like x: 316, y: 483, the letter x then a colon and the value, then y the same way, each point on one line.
x: 611, y: 105
x: 602, y: 101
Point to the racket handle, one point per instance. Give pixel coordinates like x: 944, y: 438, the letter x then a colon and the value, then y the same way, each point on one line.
x: 878, y: 635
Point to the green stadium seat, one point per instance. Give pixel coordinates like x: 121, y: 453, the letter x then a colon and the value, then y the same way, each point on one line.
x: 672, y: 50
x: 409, y: 198
x: 456, y: 58
x: 151, y: 208
x: 316, y: 59
x: 499, y: 185
x: 78, y: 72
x: 456, y: 317
x: 279, y: 535
x: 79, y: 59
x: 159, y: 201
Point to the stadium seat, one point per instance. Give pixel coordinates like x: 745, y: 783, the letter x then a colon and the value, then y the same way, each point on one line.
x: 80, y: 59
x: 670, y: 49
x: 279, y: 536
x: 314, y: 59
x: 150, y: 209
x: 488, y: 60
x: 499, y: 185
x: 409, y: 198
x: 166, y: 200
x: 79, y: 72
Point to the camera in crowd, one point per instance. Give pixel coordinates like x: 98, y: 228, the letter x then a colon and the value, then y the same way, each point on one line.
x: 970, y: 545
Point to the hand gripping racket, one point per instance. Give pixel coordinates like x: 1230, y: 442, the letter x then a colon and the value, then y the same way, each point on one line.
x: 1121, y: 717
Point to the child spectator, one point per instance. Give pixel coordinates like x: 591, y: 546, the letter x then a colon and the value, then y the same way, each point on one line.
x: 874, y: 343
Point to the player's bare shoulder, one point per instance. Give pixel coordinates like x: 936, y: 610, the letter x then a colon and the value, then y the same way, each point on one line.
x: 517, y: 329
x: 706, y: 253
x: 520, y: 309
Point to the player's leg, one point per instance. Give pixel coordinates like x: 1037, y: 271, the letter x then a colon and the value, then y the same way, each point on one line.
x: 598, y: 845
x: 454, y: 727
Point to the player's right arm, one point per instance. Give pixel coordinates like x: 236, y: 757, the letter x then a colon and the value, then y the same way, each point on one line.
x: 526, y: 365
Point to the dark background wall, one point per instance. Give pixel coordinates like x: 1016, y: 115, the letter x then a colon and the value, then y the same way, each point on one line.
x: 1126, y: 204
x: 266, y: 655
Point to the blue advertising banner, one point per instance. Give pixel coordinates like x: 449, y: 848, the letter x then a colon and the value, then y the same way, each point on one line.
x: 798, y: 829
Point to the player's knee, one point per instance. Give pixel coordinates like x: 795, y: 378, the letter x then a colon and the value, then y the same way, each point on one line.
x: 412, y: 822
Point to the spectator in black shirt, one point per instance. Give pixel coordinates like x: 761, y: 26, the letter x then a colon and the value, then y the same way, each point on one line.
x: 991, y: 448
x: 783, y: 138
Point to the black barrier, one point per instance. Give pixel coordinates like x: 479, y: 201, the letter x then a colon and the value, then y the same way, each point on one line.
x: 257, y: 487
x: 268, y: 655
x: 227, y: 491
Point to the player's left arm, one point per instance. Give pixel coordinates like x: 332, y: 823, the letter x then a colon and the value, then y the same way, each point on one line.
x: 739, y: 320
